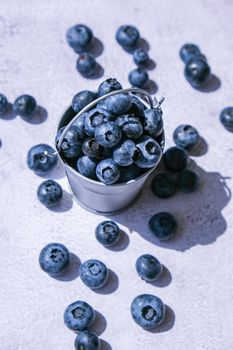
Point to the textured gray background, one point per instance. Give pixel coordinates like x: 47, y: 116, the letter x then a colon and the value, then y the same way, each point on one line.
x: 35, y: 59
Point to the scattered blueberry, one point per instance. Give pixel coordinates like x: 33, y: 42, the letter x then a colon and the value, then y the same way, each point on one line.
x: 79, y: 37
x: 148, y: 311
x: 71, y: 146
x: 148, y: 267
x: 54, y: 258
x: 107, y: 171
x: 108, y: 134
x: 188, y: 181
x: 109, y: 85
x: 129, y: 173
x: 164, y: 185
x: 78, y: 316
x: 86, y: 64
x: 162, y: 225
x: 189, y: 52
x: 94, y: 118
x: 3, y: 104
x: 153, y: 122
x: 197, y: 71
x: 107, y: 233
x: 91, y: 148
x: 175, y: 159
x: 87, y: 167
x: 38, y: 161
x: 130, y: 126
x: 118, y: 104
x: 137, y: 107
x: 93, y: 273
x: 49, y: 193
x: 226, y: 118
x: 186, y: 136
x: 25, y: 106
x: 125, y: 154
x: 138, y: 77
x: 127, y: 35
x: 140, y: 57
x: 82, y: 99
x: 149, y: 153
x: 87, y: 341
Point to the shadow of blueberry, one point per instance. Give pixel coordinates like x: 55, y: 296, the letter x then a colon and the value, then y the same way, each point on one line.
x: 200, y: 149
x: 211, y: 85
x: 164, y: 279
x: 168, y: 322
x: 122, y: 243
x: 9, y: 115
x: 65, y: 204
x: 96, y: 48
x: 98, y: 73
x: 40, y: 116
x: 99, y: 325
x: 104, y: 345
x: 151, y: 87
x: 150, y: 65
x: 56, y: 173
x: 111, y: 284
x: 72, y: 271
x: 141, y: 44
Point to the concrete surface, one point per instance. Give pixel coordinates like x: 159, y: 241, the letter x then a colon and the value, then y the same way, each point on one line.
x: 198, y: 284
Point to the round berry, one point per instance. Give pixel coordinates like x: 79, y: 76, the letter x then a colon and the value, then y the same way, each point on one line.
x: 197, y: 71
x: 149, y: 153
x: 226, y: 118
x: 82, y: 99
x: 49, y: 193
x: 54, y: 259
x: 188, y: 181
x: 137, y: 107
x: 107, y: 171
x: 93, y: 273
x: 153, y: 122
x: 107, y: 233
x: 118, y: 104
x: 71, y: 146
x: 3, y: 104
x: 91, y: 148
x: 138, y: 77
x: 186, y: 136
x: 148, y: 267
x: 127, y: 35
x: 87, y: 167
x: 164, y: 185
x: 108, y: 134
x: 94, y: 118
x: 189, y: 52
x: 86, y: 64
x: 175, y: 159
x: 140, y: 57
x: 125, y: 154
x: 87, y: 341
x: 162, y: 225
x: 130, y: 126
x: 79, y: 37
x: 39, y: 161
x: 108, y: 85
x: 78, y: 316
x: 25, y: 106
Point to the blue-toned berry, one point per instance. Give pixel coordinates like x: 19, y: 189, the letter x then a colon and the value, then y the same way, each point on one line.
x: 92, y: 149
x: 49, y: 193
x: 119, y: 104
x: 162, y: 225
x: 110, y: 84
x: 54, y: 259
x: 93, y: 273
x: 71, y: 146
x: 149, y: 153
x: 78, y: 316
x: 107, y: 233
x: 87, y: 341
x: 86, y: 64
x: 3, y: 104
x: 164, y: 185
x: 86, y: 166
x: 25, y: 106
x: 148, y: 311
x: 108, y: 134
x: 175, y: 158
x: 127, y: 36
x: 226, y: 118
x: 130, y: 126
x: 129, y: 173
x: 197, y: 71
x: 39, y: 161
x: 79, y: 37
x: 189, y: 52
x: 188, y: 181
x: 107, y: 171
x: 80, y: 124
x: 153, y: 122
x: 125, y: 154
x: 140, y: 57
x: 82, y: 99
x: 148, y: 267
x: 138, y: 77
x: 137, y: 107
x: 186, y: 136
x: 94, y: 118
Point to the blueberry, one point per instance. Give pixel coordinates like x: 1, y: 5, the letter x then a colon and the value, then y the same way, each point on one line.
x: 188, y: 181
x: 86, y: 64
x: 79, y: 37
x: 148, y: 311
x: 107, y: 233
x: 109, y: 85
x: 163, y: 185
x: 129, y: 173
x: 127, y: 35
x: 162, y: 225
x: 153, y: 122
x: 107, y: 171
x: 3, y: 104
x: 54, y: 258
x: 138, y: 77
x: 186, y: 136
x: 87, y: 341
x: 149, y: 153
x: 226, y: 118
x: 87, y: 167
x: 140, y: 57
x: 189, y: 52
x: 80, y: 124
x: 39, y: 162
x: 137, y: 107
x: 118, y: 104
x: 130, y: 126
x: 175, y: 159
x: 71, y: 146
x: 78, y: 316
x: 125, y: 154
x: 148, y: 267
x: 108, y: 134
x: 93, y: 273
x: 94, y: 118
x: 197, y: 71
x: 49, y: 193
x: 25, y: 106
x: 82, y: 99
x: 91, y: 148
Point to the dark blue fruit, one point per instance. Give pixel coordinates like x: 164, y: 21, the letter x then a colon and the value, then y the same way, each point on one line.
x: 226, y: 118
x: 140, y: 57
x: 175, y: 159
x: 197, y: 71
x: 49, y: 193
x: 110, y: 84
x: 79, y: 37
x: 107, y: 233
x: 125, y: 154
x: 107, y: 171
x: 153, y: 122
x: 3, y: 104
x: 25, y: 106
x: 127, y: 35
x: 149, y: 153
x: 54, y: 258
x: 80, y: 124
x: 188, y: 181
x: 87, y: 167
x: 189, y: 52
x: 93, y: 273
x: 82, y: 99
x: 138, y: 77
x: 78, y: 316
x: 91, y: 148
x: 94, y: 118
x: 40, y: 162
x: 164, y: 185
x: 148, y: 311
x: 87, y: 341
x: 71, y: 146
x: 118, y: 104
x: 162, y: 225
x: 137, y: 107
x: 86, y: 64
x: 130, y: 126
x: 129, y: 173
x: 186, y: 136
x: 148, y: 267
x: 108, y: 134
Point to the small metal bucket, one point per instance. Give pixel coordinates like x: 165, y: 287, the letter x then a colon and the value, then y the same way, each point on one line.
x: 93, y: 195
